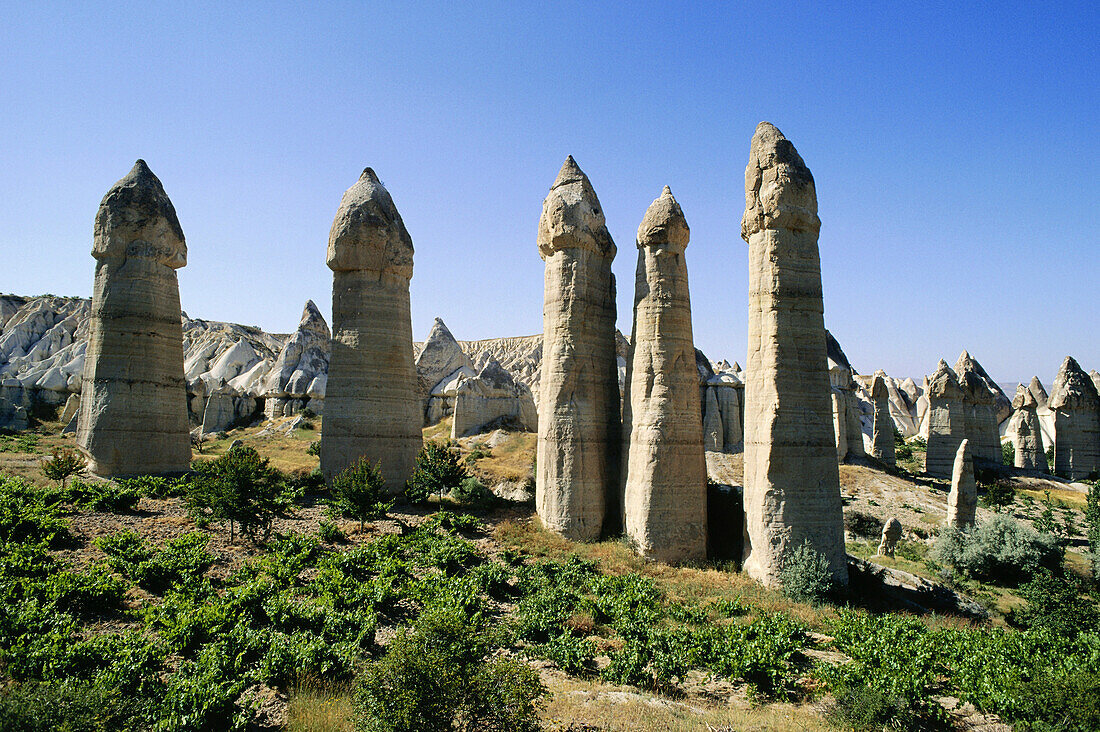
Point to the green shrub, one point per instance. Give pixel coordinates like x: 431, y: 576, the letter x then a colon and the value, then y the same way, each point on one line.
x: 329, y: 532
x: 28, y: 514
x: 153, y: 486
x: 1058, y: 703
x: 314, y: 448
x: 179, y: 561
x: 63, y: 463
x: 1092, y: 522
x: 104, y: 496
x: 438, y: 676
x: 806, y: 576
x: 1008, y: 453
x: 242, y: 488
x: 68, y: 706
x: 93, y: 591
x: 1060, y: 605
x: 998, y: 495
x: 862, y: 524
x: 437, y: 471
x: 998, y: 550
x: 357, y: 492
x: 864, y: 709
x: 471, y: 491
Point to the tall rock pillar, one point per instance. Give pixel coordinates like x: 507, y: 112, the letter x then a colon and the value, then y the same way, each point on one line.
x: 946, y: 421
x: 1026, y: 432
x: 962, y: 501
x: 792, y: 484
x: 133, y: 406
x: 1076, y: 406
x: 577, y: 463
x: 371, y: 407
x: 665, y: 496
x: 882, y: 432
x: 980, y: 405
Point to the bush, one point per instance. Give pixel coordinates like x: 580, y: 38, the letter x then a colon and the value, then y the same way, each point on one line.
x: 328, y: 531
x: 242, y: 488
x: 113, y: 497
x: 1008, y: 453
x: 357, y: 492
x: 63, y: 463
x: 472, y: 491
x: 70, y: 706
x: 1059, y: 703
x: 437, y: 471
x: 179, y: 561
x: 998, y: 550
x: 1092, y: 521
x: 1060, y: 605
x: 862, y: 524
x: 864, y: 709
x: 998, y: 495
x: 438, y: 676
x: 806, y: 576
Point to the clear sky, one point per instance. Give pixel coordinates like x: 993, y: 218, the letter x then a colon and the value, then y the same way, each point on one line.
x: 954, y: 149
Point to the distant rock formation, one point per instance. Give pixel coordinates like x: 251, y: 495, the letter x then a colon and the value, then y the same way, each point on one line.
x: 713, y: 430
x: 847, y: 424
x: 891, y: 535
x: 489, y: 397
x: 1025, y: 432
x: 946, y: 421
x: 962, y: 501
x: 792, y: 485
x: 1037, y: 391
x: 371, y: 407
x: 882, y: 438
x: 577, y: 464
x: 1076, y: 406
x: 983, y: 410
x: 298, y: 377
x: 439, y: 357
x: 665, y: 475
x: 133, y: 418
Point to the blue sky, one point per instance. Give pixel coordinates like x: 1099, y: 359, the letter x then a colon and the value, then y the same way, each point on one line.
x: 954, y: 149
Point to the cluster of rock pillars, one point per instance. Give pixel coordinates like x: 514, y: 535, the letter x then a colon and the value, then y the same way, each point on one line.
x: 605, y: 464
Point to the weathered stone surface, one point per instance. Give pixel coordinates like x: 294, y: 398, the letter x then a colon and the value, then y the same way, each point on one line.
x: 1076, y: 406
x: 665, y: 480
x: 839, y: 403
x: 729, y: 404
x: 713, y: 429
x: 298, y: 376
x: 982, y: 408
x: 490, y: 396
x: 882, y: 433
x: 891, y: 534
x: 792, y: 485
x: 133, y: 418
x: 371, y: 408
x: 577, y: 471
x: 847, y: 426
x: 1037, y: 391
x: 946, y: 421
x: 1026, y: 433
x: 962, y: 501
x: 1095, y: 376
x: 440, y: 357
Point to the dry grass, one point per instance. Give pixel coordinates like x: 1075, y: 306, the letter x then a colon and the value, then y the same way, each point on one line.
x: 512, y: 459
x: 318, y: 706
x: 440, y: 432
x: 287, y: 452
x: 1058, y: 496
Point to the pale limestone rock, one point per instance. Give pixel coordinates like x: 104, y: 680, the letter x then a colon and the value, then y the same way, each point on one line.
x: 882, y: 436
x: 440, y: 357
x: 730, y: 407
x: 1095, y: 376
x: 298, y: 375
x: 1037, y: 391
x: 982, y: 409
x: 1026, y: 433
x: 577, y: 466
x: 848, y: 429
x: 665, y: 476
x: 792, y: 485
x: 891, y: 534
x: 70, y: 410
x: 371, y: 408
x: 133, y: 410
x: 489, y: 396
x: 714, y: 430
x: 946, y: 421
x: 218, y: 414
x: 1076, y: 406
x: 962, y: 501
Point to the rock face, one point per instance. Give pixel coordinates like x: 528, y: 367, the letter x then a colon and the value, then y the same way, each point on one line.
x: 1037, y: 391
x: 1076, y: 406
x: 962, y: 501
x: 133, y: 418
x: 371, y: 408
x: 946, y: 421
x: 1026, y: 433
x: 792, y: 485
x: 440, y: 357
x: 891, y: 534
x: 665, y: 481
x: 882, y: 435
x: 713, y: 429
x: 490, y: 396
x: 298, y: 376
x: 982, y: 409
x: 847, y: 425
x: 577, y: 473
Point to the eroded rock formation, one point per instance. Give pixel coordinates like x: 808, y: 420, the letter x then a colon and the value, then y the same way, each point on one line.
x: 371, y: 407
x: 1026, y: 433
x: 882, y: 433
x: 962, y: 501
x: 133, y: 418
x: 792, y: 485
x: 1076, y: 406
x: 983, y: 410
x: 891, y: 534
x: 665, y: 493
x: 577, y: 464
x: 946, y: 421
x: 490, y: 397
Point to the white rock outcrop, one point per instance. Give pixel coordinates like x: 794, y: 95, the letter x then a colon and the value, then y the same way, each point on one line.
x: 962, y: 501
x: 1026, y: 433
x: 1076, y: 406
x: 882, y: 435
x: 489, y: 397
x: 946, y: 421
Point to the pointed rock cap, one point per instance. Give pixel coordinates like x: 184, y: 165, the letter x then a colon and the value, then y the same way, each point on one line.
x: 664, y: 224
x: 879, y: 390
x: 737, y: 367
x: 1024, y: 399
x: 1073, y: 389
x: 836, y: 354
x: 1095, y: 376
x: 441, y: 354
x: 779, y: 188
x: 1038, y: 391
x: 137, y: 219
x: 943, y: 384
x: 313, y: 322
x: 368, y: 233
x: 963, y: 452
x: 572, y: 217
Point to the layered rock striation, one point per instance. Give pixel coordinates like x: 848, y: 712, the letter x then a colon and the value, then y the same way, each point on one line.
x: 946, y: 421
x: 882, y: 434
x: 1076, y: 407
x: 1026, y: 433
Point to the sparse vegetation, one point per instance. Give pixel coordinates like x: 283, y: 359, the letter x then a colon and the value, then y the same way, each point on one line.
x: 357, y: 492
x: 63, y: 463
x: 437, y: 471
x: 999, y: 550
x: 239, y: 487
x: 806, y: 576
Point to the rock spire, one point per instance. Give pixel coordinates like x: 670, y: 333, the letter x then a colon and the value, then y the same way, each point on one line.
x: 882, y: 433
x: 1076, y: 406
x: 962, y: 501
x: 1026, y: 433
x: 946, y: 421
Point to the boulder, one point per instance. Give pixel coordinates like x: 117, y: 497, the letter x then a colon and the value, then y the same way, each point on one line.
x: 891, y: 535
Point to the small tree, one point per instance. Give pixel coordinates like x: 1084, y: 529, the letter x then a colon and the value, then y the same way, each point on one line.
x: 64, y: 463
x: 242, y: 488
x: 806, y: 575
x: 437, y: 471
x: 357, y: 492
